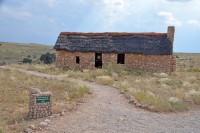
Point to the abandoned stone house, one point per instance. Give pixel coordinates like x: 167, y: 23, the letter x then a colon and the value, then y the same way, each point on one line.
x: 136, y: 51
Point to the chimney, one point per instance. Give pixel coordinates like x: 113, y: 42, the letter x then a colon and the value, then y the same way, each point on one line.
x: 170, y: 33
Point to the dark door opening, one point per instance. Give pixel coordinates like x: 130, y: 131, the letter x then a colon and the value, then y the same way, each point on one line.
x: 98, y: 60
x: 77, y: 60
x: 120, y: 58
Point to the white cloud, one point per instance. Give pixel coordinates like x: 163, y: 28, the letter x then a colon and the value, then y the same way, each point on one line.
x: 51, y: 3
x: 179, y: 0
x: 19, y: 14
x: 195, y: 23
x: 169, y: 19
x: 114, y: 11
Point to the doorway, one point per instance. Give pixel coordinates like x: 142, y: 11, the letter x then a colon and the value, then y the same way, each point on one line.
x: 120, y: 58
x: 98, y: 60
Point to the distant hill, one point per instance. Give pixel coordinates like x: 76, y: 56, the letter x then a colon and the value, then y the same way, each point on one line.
x: 11, y: 53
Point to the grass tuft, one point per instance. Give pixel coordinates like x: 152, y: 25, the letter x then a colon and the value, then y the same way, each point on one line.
x: 105, y: 80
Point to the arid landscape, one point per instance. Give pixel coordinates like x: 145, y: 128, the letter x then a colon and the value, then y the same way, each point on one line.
x: 112, y: 99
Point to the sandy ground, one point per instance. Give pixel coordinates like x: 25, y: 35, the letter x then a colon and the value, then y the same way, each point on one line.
x: 107, y: 111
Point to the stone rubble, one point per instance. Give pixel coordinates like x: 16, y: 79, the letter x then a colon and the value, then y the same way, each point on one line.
x: 136, y: 103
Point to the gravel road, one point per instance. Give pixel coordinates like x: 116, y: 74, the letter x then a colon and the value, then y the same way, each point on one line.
x: 107, y: 111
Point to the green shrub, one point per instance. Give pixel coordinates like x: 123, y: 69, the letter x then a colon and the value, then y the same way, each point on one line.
x: 27, y: 60
x: 48, y: 58
x: 2, y: 63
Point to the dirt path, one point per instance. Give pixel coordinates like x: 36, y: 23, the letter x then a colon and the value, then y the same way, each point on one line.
x: 108, y: 111
x: 39, y: 74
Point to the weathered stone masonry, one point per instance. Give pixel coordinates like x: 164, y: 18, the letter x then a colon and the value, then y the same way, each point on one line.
x: 138, y: 62
x: 40, y: 104
x: 151, y: 52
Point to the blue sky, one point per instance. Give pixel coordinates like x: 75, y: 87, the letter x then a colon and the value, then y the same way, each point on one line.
x: 41, y: 21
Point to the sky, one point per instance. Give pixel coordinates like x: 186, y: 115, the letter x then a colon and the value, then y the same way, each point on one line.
x: 41, y: 21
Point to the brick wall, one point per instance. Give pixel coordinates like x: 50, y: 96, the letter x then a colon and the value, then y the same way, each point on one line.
x: 152, y: 63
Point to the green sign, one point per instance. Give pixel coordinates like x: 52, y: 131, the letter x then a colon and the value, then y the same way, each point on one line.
x: 42, y: 99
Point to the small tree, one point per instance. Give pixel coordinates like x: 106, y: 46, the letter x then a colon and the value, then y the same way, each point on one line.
x: 48, y: 58
x: 27, y: 60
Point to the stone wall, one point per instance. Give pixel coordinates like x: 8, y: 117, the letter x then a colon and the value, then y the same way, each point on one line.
x: 141, y: 62
x: 170, y: 33
x: 39, y: 104
x: 66, y: 59
x: 151, y: 63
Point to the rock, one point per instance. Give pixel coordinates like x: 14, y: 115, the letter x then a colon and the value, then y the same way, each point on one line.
x: 174, y: 99
x: 50, y: 117
x: 151, y: 108
x: 28, y: 130
x: 135, y: 102
x: 39, y: 128
x: 122, y: 119
x: 161, y: 75
x: 89, y: 92
x: 144, y: 105
x: 43, y: 124
x: 32, y: 127
x: 35, y: 91
x: 122, y: 92
x: 56, y: 115
x: 48, y: 121
x: 138, y: 105
x: 127, y: 96
x: 47, y: 93
x: 131, y: 100
x: 62, y: 113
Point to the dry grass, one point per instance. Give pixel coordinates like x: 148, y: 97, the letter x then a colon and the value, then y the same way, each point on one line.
x: 43, y: 68
x: 153, y: 89
x: 188, y: 60
x: 14, y: 96
x: 14, y: 52
x: 105, y: 80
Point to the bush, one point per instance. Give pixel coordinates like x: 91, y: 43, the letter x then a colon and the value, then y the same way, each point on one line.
x: 27, y: 60
x: 2, y: 63
x: 48, y: 58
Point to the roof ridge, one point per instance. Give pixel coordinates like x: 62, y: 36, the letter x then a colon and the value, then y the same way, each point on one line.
x: 113, y: 33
